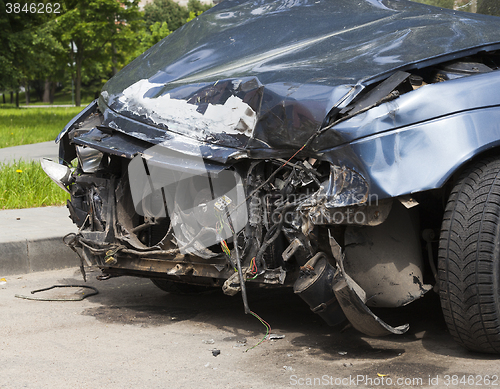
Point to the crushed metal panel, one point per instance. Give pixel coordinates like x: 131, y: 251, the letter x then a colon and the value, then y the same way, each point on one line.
x: 424, y: 156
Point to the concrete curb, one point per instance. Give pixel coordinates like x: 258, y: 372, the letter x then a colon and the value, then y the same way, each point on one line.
x: 31, y: 240
x: 35, y: 255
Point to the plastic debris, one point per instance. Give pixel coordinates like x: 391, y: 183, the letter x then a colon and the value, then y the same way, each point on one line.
x: 208, y: 341
x: 3, y: 281
x: 342, y: 352
x: 275, y: 336
x: 215, y: 352
x: 288, y: 368
x: 382, y: 375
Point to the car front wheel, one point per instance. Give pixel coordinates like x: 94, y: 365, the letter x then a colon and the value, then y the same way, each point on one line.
x: 469, y: 258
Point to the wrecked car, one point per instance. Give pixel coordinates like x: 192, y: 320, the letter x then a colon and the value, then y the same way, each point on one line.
x: 350, y: 150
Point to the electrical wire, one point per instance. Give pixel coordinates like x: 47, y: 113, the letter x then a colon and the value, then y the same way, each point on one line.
x: 253, y: 270
x: 273, y: 174
x: 242, y: 281
x: 268, y: 329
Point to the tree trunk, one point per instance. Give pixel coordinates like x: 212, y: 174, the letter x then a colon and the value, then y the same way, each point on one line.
x: 46, y: 91
x: 473, y: 7
x: 78, y: 81
x: 113, y: 59
x: 78, y: 86
x: 3, y: 96
x: 17, y: 98
x: 27, y: 92
x: 52, y: 91
x: 12, y: 97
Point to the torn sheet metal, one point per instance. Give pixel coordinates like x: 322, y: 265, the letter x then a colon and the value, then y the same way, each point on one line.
x: 73, y: 123
x: 232, y: 116
x: 352, y: 299
x: 358, y: 314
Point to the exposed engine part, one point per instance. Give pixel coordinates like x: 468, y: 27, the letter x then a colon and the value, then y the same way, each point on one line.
x: 459, y: 69
x: 315, y: 287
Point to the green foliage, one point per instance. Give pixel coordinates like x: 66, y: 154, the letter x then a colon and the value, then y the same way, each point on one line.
x: 160, y: 11
x: 162, y: 17
x: 95, y: 34
x: 23, y: 42
x: 489, y: 7
x: 85, y: 44
x: 25, y: 185
x: 158, y: 32
x: 32, y: 125
x: 197, y: 7
x: 149, y: 37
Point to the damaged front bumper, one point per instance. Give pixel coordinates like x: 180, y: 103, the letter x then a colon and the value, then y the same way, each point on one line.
x: 150, y: 211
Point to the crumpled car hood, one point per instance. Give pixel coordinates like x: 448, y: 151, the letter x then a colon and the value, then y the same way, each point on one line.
x: 265, y: 74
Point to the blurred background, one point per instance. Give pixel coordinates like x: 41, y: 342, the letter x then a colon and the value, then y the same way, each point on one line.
x: 63, y: 51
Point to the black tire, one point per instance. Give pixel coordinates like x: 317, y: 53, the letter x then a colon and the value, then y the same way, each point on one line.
x: 469, y: 258
x: 180, y: 288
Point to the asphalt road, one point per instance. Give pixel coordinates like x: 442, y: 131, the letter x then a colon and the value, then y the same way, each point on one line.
x: 133, y: 335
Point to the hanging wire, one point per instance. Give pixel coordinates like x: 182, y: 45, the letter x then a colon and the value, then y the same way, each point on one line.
x: 268, y: 329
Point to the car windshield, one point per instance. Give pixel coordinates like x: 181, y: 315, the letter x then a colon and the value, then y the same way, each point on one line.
x: 486, y: 7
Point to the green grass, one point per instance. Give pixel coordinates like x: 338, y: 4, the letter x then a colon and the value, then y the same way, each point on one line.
x: 32, y: 125
x: 25, y: 185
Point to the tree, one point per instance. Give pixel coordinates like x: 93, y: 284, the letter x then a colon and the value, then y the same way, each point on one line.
x: 163, y: 17
x: 23, y: 43
x: 96, y: 33
x: 161, y: 11
x: 489, y: 7
x: 197, y: 7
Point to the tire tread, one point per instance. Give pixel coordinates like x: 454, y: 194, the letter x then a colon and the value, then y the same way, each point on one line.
x: 468, y: 263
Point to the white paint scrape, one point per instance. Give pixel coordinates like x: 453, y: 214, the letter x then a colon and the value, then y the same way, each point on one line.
x: 232, y: 117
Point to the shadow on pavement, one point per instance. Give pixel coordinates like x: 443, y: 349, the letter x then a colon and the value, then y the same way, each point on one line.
x: 136, y: 301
